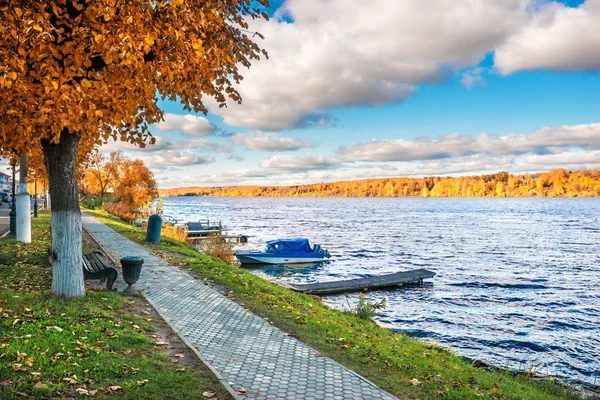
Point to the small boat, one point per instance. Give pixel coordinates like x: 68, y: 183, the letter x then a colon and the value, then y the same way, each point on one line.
x: 284, y: 251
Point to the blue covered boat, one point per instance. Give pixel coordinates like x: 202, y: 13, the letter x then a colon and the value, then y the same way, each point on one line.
x: 284, y: 251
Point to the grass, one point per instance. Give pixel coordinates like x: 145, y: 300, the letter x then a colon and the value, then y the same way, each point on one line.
x: 397, y: 363
x: 56, y: 347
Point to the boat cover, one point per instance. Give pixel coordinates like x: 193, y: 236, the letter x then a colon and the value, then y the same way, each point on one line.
x: 290, y: 245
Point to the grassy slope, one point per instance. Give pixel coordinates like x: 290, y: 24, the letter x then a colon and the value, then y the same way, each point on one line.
x: 389, y: 359
x: 53, y: 346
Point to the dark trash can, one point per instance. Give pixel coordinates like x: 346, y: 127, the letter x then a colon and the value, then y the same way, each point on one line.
x: 132, y: 266
x: 154, y: 228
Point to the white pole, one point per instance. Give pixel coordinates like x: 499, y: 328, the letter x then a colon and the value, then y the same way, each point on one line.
x: 23, y: 204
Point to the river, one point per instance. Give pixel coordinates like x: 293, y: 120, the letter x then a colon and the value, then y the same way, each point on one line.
x: 517, y: 284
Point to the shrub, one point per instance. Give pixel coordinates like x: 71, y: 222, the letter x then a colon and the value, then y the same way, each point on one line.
x: 175, y: 232
x: 95, y: 203
x: 120, y: 210
x: 217, y: 246
x: 365, y: 308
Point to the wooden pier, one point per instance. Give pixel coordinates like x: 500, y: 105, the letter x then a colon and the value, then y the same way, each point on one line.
x: 242, y: 239
x: 415, y: 276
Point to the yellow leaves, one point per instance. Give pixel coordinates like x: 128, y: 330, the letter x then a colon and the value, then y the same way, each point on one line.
x: 197, y: 45
x: 99, y: 38
x: 12, y: 75
x: 85, y: 83
x: 38, y: 28
x: 149, y: 40
x: 177, y: 3
x: 18, y: 12
x: 55, y: 85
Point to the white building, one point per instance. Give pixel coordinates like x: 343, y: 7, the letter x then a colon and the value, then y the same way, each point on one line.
x: 5, y: 183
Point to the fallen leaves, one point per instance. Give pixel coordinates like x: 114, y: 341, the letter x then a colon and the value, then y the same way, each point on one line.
x: 56, y: 328
x: 209, y: 395
x: 71, y: 381
x: 415, y: 382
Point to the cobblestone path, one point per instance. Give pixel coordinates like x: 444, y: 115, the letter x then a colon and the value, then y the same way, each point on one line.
x: 252, y: 358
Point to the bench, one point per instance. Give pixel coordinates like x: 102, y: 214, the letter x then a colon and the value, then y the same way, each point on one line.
x: 95, y: 266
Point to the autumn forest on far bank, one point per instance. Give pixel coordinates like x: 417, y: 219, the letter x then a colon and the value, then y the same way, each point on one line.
x: 556, y: 183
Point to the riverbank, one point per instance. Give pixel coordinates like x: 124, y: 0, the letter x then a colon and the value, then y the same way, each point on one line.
x: 395, y: 362
x: 103, y: 345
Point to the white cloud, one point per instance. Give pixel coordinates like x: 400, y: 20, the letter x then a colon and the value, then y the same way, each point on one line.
x: 269, y: 141
x: 171, y: 158
x: 585, y: 136
x: 566, y: 158
x: 356, y: 52
x: 557, y: 37
x: 406, y: 150
x: 164, y: 144
x: 188, y: 124
x: 473, y: 77
x: 303, y: 162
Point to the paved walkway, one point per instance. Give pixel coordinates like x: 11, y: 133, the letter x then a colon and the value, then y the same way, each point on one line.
x: 241, y: 348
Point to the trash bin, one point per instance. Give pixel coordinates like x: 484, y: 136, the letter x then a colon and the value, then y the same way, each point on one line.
x: 153, y: 229
x: 132, y: 267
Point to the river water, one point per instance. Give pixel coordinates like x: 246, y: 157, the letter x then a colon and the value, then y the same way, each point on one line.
x: 517, y: 284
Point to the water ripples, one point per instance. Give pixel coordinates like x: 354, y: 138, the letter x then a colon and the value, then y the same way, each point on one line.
x: 517, y: 279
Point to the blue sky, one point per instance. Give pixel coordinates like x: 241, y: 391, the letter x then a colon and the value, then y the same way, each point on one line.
x: 358, y: 89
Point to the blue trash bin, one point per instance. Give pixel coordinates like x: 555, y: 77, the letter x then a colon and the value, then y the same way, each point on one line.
x: 154, y: 228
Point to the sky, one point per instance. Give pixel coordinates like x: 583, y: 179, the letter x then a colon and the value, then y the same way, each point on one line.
x: 358, y: 89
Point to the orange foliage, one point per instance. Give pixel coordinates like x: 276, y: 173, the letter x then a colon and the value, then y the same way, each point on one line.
x: 136, y: 186
x: 94, y: 68
x: 99, y: 173
x: 120, y: 210
x: 175, y: 232
x: 557, y: 183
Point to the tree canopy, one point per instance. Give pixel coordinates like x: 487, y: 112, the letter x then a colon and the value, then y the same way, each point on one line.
x: 99, y: 68
x: 75, y: 73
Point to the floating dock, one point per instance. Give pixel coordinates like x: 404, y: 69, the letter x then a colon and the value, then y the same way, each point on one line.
x: 415, y: 276
x: 242, y: 239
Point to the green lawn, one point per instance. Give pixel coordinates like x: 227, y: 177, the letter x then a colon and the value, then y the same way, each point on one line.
x: 56, y: 347
x: 397, y: 363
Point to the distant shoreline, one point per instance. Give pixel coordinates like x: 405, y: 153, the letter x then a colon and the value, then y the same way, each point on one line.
x: 556, y: 183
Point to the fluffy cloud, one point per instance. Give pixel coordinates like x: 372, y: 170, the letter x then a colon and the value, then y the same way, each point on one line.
x: 188, y: 124
x: 173, y: 158
x: 269, y: 141
x: 455, y: 145
x: 567, y: 158
x: 557, y: 37
x: 354, y: 52
x: 302, y: 162
x: 164, y: 144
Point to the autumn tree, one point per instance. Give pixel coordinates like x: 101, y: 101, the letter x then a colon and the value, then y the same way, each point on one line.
x: 100, y: 172
x: 84, y: 71
x: 135, y: 186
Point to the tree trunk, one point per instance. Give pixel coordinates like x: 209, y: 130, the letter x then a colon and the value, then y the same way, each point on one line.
x: 60, y: 160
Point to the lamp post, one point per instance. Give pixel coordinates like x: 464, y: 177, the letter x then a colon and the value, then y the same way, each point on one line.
x: 35, y: 204
x: 13, y: 208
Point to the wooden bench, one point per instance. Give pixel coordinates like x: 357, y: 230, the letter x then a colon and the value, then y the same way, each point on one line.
x: 95, y: 266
